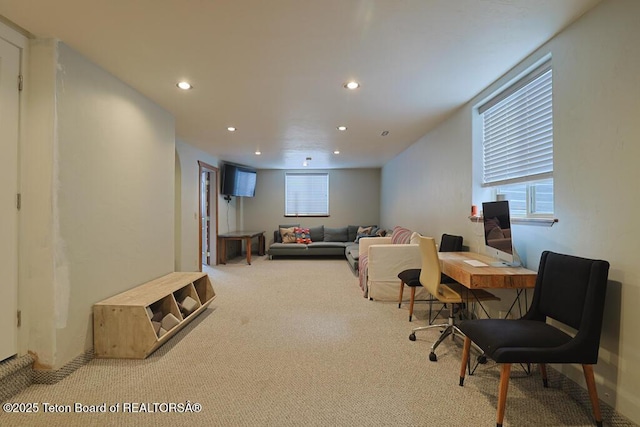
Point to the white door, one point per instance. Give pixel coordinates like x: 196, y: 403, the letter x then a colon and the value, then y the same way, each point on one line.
x: 9, y: 70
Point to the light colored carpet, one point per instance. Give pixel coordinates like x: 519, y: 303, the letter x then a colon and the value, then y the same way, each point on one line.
x: 293, y: 343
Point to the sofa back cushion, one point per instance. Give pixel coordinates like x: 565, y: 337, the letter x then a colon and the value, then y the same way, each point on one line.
x: 317, y: 233
x: 340, y: 234
x: 400, y: 236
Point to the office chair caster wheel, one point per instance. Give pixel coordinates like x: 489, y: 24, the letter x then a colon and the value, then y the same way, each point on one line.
x: 412, y: 337
x: 433, y: 357
x: 482, y: 359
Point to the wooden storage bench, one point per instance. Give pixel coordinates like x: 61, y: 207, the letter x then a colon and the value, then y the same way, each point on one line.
x: 122, y: 324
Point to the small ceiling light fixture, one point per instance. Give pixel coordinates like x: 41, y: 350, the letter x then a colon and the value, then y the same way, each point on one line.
x: 231, y: 129
x: 342, y: 128
x: 184, y: 85
x: 351, y: 85
x: 385, y: 133
x: 258, y: 152
x: 336, y: 152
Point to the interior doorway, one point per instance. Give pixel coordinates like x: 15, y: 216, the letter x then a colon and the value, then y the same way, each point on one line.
x: 208, y: 218
x: 9, y: 119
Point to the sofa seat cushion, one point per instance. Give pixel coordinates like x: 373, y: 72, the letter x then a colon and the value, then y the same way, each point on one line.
x: 289, y: 246
x: 340, y: 245
x: 353, y: 251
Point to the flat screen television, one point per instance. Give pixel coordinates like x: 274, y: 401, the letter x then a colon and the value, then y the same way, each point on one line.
x: 239, y: 181
x: 497, y: 233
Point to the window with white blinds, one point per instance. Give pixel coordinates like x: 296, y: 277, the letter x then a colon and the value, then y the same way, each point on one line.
x: 306, y: 194
x: 518, y: 131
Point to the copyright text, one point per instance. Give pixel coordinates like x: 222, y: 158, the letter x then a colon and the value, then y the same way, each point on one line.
x: 125, y: 407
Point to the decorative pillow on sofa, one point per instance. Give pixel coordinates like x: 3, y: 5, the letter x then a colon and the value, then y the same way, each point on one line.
x: 364, y: 230
x: 353, y: 231
x: 288, y: 235
x: 381, y: 232
x: 277, y: 235
x: 302, y: 235
x: 415, y: 238
x: 400, y: 235
x: 369, y: 231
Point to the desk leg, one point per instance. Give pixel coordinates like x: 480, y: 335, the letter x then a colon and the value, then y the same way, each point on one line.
x: 223, y: 251
x: 248, y: 240
x: 261, y: 245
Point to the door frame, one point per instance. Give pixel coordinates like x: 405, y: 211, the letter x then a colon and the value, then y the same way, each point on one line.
x: 14, y: 46
x: 205, y: 167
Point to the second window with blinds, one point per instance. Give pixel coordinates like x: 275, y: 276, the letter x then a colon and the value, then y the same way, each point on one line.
x: 306, y: 194
x: 517, y: 143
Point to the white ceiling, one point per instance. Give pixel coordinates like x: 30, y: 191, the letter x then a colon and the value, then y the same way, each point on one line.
x: 275, y: 68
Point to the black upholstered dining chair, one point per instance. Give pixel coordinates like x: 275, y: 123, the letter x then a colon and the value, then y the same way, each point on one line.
x: 570, y: 290
x: 411, y: 277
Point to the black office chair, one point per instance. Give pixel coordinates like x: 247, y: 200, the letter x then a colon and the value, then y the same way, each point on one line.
x: 411, y: 277
x: 569, y: 290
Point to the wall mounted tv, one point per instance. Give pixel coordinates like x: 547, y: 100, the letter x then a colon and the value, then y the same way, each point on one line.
x: 239, y: 181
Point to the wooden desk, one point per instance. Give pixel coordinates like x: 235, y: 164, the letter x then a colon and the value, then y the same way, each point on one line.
x: 453, y: 265
x: 240, y: 235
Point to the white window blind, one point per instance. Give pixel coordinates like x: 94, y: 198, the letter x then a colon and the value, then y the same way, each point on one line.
x: 306, y: 194
x: 518, y: 131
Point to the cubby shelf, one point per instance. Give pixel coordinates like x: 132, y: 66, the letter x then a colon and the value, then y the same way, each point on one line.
x: 122, y: 326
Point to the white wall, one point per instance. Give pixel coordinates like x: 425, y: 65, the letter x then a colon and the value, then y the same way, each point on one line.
x: 354, y: 199
x: 99, y: 169
x: 187, y: 205
x: 596, y: 150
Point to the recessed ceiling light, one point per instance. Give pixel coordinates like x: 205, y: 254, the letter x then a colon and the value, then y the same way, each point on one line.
x: 385, y: 133
x: 336, y: 152
x: 184, y: 85
x: 352, y: 85
x: 231, y: 129
x: 342, y: 128
x: 258, y: 153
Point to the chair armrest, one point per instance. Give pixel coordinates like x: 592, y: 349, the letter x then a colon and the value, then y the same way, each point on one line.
x: 365, y: 242
x: 387, y: 261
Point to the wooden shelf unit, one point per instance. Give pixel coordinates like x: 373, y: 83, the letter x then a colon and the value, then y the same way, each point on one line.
x: 121, y: 326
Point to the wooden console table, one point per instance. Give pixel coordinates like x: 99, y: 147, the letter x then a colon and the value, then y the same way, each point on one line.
x: 241, y: 235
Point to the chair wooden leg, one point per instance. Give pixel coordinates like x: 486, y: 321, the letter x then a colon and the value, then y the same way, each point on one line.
x: 543, y: 373
x: 401, y: 292
x: 465, y: 359
x: 505, y: 371
x: 413, y: 295
x: 593, y: 393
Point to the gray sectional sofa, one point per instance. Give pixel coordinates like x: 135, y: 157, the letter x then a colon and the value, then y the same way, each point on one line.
x: 325, y: 241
